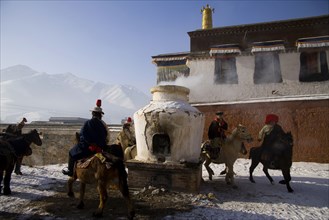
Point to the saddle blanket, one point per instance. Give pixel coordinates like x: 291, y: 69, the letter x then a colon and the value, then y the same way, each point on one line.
x: 84, y: 163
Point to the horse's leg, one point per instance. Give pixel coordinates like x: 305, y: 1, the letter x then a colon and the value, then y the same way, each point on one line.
x: 224, y: 171
x: 229, y: 178
x: 81, y: 204
x: 210, y: 171
x: 101, y: 188
x: 265, y: 170
x: 70, y: 182
x: 1, y: 177
x: 287, y: 179
x: 6, y: 180
x: 254, y: 164
x: 123, y: 187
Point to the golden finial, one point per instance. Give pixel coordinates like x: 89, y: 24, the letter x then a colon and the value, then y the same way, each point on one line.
x: 207, y: 17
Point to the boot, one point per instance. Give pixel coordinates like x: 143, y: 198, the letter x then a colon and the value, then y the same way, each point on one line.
x: 69, y: 170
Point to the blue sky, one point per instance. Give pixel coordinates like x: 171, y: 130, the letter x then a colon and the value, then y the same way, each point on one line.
x: 113, y: 41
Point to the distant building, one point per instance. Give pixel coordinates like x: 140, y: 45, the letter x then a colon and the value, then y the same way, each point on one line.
x: 67, y: 120
x: 252, y: 70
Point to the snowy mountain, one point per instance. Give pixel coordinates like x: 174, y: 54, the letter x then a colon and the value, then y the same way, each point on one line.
x: 39, y: 96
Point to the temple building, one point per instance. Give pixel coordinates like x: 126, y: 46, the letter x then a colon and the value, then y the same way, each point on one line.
x: 251, y: 70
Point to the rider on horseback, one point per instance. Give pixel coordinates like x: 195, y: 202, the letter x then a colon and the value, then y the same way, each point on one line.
x: 94, y: 135
x: 16, y: 131
x: 269, y: 133
x: 216, y: 134
x: 126, y: 137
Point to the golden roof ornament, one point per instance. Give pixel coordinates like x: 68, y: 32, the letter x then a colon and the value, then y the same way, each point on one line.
x: 207, y: 17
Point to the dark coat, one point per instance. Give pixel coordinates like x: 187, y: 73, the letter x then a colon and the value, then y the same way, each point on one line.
x: 93, y: 133
x: 217, y: 129
x: 276, y: 133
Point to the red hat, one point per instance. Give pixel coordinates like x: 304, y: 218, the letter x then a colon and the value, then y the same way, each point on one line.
x: 128, y: 120
x: 271, y: 118
x: 99, y: 103
x: 98, y: 107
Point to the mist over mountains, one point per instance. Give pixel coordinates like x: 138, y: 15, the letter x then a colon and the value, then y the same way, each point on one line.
x: 38, y: 96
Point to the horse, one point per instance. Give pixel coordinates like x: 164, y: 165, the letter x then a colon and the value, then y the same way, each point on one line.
x: 130, y: 153
x: 15, y: 130
x: 280, y: 152
x: 10, y: 150
x: 105, y: 169
x: 229, y: 152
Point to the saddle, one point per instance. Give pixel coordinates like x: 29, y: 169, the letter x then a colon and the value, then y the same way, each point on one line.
x: 212, y: 152
x: 104, y: 157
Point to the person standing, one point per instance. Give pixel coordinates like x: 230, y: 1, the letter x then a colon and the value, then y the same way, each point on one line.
x: 94, y: 136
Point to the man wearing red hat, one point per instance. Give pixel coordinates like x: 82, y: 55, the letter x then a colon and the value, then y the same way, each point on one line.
x: 126, y: 137
x: 271, y: 127
x: 269, y: 134
x: 216, y: 134
x: 94, y: 135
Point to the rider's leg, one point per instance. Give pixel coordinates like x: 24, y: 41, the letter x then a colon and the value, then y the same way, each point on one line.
x: 70, y: 168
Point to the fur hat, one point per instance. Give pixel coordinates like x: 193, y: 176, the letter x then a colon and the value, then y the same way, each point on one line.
x: 98, y: 107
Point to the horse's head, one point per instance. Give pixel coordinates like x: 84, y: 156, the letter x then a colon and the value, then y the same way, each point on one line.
x: 242, y: 132
x: 35, y: 137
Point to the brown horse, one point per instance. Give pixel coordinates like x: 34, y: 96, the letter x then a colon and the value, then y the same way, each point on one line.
x: 229, y: 152
x: 106, y: 169
x: 10, y: 150
x: 280, y: 152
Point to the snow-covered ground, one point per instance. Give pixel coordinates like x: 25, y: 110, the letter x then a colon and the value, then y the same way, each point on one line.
x: 216, y: 200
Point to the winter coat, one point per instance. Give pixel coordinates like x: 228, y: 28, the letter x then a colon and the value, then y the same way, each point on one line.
x: 126, y: 138
x: 270, y: 138
x: 217, y: 129
x: 93, y: 132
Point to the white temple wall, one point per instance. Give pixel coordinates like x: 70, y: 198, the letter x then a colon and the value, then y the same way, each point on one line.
x: 203, y: 89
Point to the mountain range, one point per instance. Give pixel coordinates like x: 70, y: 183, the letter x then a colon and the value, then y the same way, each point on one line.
x: 38, y: 96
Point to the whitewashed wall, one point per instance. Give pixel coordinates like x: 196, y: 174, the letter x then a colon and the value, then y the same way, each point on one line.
x: 203, y: 89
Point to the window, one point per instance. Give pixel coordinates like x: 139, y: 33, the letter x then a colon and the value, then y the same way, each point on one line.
x: 267, y: 68
x: 170, y: 70
x: 313, y: 66
x: 225, y: 71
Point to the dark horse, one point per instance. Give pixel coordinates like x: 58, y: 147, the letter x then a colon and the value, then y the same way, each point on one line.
x: 10, y: 150
x: 276, y: 156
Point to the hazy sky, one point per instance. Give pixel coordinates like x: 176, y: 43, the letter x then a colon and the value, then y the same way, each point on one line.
x: 113, y: 41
